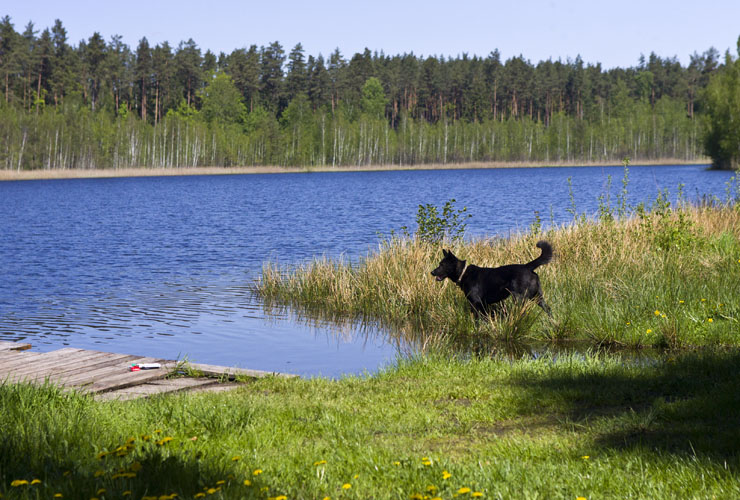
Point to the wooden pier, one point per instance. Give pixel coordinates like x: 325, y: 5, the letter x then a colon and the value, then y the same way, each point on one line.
x: 107, y: 375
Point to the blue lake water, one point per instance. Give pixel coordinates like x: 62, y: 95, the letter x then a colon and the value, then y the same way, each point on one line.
x: 162, y: 266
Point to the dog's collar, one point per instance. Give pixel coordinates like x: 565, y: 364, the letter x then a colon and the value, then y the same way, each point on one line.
x: 459, y: 278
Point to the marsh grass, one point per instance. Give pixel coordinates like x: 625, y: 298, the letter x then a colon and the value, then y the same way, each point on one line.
x: 605, y: 284
x: 559, y: 426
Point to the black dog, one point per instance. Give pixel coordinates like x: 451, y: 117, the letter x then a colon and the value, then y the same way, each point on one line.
x: 485, y: 286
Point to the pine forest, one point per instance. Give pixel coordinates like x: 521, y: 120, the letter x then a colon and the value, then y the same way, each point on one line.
x: 103, y: 104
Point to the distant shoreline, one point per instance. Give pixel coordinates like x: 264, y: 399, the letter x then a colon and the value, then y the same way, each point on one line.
x: 18, y: 175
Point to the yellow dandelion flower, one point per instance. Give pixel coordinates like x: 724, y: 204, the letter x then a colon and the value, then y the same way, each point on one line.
x: 396, y: 463
x: 102, y: 455
x: 247, y: 482
x: 211, y: 491
x: 681, y: 302
x: 431, y: 488
x: 346, y: 486
x: 257, y: 472
x: 477, y: 494
x: 126, y: 493
x: 200, y: 495
x: 427, y: 462
x: 326, y: 498
x: 99, y: 473
x: 416, y: 496
x: 585, y: 457
x: 437, y: 498
x: 703, y: 300
x: 235, y: 458
x: 446, y: 475
x: 581, y: 498
x: 164, y: 440
x: 710, y: 320
x: 649, y: 330
x: 320, y: 462
x: 281, y: 497
x: 59, y: 495
x: 36, y: 481
x: 220, y: 482
x: 463, y: 490
x: 100, y: 491
x: 157, y: 431
x: 657, y: 313
x: 145, y: 437
x: 18, y: 482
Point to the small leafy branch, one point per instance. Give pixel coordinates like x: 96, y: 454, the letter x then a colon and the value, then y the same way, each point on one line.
x: 433, y: 226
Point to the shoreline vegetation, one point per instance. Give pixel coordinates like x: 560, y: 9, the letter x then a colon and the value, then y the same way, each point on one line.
x: 649, y: 277
x: 46, y: 174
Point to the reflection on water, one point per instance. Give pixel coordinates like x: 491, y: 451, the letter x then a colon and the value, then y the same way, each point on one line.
x: 176, y: 320
x: 163, y: 266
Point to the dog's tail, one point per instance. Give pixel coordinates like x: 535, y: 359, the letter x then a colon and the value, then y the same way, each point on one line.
x: 544, y: 258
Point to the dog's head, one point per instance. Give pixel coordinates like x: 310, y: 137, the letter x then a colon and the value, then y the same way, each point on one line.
x: 449, y: 267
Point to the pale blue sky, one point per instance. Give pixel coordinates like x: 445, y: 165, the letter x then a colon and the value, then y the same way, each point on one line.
x: 614, y: 33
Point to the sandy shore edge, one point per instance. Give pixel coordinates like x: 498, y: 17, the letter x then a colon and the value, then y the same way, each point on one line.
x: 17, y: 175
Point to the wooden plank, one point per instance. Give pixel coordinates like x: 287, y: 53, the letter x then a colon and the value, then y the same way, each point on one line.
x: 45, y: 361
x: 118, y: 376
x: 104, y: 365
x: 13, y: 360
x: 73, y: 363
x: 228, y: 386
x: 128, y: 379
x: 157, y: 387
x: 6, y: 345
x: 60, y: 375
x: 217, y: 371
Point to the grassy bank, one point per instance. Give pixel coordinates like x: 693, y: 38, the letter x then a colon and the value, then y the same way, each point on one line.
x: 661, y: 278
x: 38, y: 174
x: 559, y: 428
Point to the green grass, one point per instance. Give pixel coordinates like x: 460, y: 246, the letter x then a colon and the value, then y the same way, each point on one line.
x: 665, y: 278
x: 506, y: 428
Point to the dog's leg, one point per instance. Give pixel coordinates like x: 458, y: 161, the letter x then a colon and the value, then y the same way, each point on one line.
x: 477, y: 310
x: 541, y: 302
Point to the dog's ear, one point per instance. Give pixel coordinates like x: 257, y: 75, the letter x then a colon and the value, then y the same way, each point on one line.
x: 445, y: 252
x: 450, y: 254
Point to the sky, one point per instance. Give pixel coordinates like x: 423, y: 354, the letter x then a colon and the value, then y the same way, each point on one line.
x: 613, y: 33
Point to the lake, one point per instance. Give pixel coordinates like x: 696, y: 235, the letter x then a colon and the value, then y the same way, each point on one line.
x: 162, y: 266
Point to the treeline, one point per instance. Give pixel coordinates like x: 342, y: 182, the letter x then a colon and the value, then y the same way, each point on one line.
x: 103, y: 105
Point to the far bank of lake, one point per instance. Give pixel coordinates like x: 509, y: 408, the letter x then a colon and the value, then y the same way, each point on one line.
x: 38, y: 174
